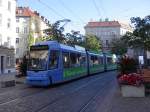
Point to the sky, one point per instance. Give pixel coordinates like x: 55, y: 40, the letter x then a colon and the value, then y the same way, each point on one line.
x: 80, y: 12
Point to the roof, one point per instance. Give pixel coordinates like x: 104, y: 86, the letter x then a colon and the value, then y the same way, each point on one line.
x: 25, y: 11
x: 126, y: 26
x: 103, y: 24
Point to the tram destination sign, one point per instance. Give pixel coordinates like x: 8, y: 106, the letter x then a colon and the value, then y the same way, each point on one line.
x: 39, y: 47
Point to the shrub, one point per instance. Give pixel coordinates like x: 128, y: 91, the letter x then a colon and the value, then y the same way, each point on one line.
x: 128, y: 65
x: 22, y: 67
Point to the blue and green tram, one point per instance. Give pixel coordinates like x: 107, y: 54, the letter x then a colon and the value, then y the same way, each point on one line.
x: 96, y: 62
x: 51, y: 62
x: 110, y: 62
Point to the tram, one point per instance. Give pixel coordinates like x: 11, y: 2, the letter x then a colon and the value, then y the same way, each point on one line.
x: 51, y: 62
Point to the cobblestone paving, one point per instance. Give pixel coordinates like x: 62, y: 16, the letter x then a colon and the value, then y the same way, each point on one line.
x: 98, y: 93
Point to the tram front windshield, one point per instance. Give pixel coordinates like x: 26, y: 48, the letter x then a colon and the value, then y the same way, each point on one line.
x: 38, y: 60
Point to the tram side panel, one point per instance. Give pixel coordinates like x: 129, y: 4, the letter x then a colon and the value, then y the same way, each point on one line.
x: 55, y: 69
x: 96, y: 64
x: 74, y: 65
x: 110, y: 64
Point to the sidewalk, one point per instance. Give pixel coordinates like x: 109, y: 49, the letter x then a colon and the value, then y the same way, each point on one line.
x: 7, y: 76
x: 115, y: 102
x: 122, y: 104
x: 11, y: 77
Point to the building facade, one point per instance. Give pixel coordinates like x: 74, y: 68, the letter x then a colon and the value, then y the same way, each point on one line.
x: 107, y: 30
x: 29, y: 26
x: 7, y: 35
x: 7, y: 22
x: 7, y: 60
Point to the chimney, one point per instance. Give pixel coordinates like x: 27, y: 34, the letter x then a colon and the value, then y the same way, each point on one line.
x: 46, y: 20
x: 35, y: 12
x: 106, y: 19
x: 42, y: 17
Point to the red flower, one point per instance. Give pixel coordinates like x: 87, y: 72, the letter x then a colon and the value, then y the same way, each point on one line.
x: 130, y: 79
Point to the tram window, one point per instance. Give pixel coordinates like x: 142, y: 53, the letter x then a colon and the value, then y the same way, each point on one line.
x: 109, y: 60
x: 54, y: 57
x: 101, y: 60
x: 92, y: 60
x: 73, y: 59
x: 82, y: 60
x: 66, y: 60
x: 78, y: 59
x: 96, y: 60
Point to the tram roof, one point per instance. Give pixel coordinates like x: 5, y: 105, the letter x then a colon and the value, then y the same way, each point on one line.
x: 55, y: 44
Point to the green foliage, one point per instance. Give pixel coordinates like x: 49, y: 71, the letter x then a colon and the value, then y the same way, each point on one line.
x: 128, y: 65
x: 22, y: 67
x: 141, y: 35
x: 140, y: 38
x: 118, y: 46
x: 74, y: 38
x: 55, y: 33
x: 39, y: 39
x: 92, y: 43
x: 30, y: 40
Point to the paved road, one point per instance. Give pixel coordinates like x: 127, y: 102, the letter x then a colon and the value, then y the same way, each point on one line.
x: 98, y: 93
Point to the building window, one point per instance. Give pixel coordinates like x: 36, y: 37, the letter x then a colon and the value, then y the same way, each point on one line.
x: 20, y: 11
x: 17, y: 20
x: 8, y: 24
x: 17, y: 29
x: 0, y: 19
x: 17, y: 40
x: 25, y: 30
x: 0, y: 39
x: 8, y: 60
x: 0, y: 2
x: 9, y: 5
x: 107, y: 43
x: 25, y: 20
x: 8, y: 41
x: 17, y: 50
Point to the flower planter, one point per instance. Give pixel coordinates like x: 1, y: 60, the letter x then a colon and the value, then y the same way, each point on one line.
x: 132, y: 91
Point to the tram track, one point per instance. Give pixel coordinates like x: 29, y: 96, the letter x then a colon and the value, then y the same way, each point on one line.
x: 19, y: 97
x: 28, y: 94
x: 34, y: 93
x: 62, y: 95
x: 70, y: 93
x: 8, y: 89
x: 93, y: 98
x: 12, y: 90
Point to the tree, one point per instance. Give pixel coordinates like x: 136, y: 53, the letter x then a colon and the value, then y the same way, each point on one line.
x: 92, y: 43
x: 118, y: 46
x: 140, y: 38
x: 39, y: 39
x: 142, y: 31
x: 74, y: 38
x: 55, y: 32
x: 30, y: 40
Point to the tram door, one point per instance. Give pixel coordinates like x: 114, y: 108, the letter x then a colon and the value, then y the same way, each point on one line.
x: 2, y: 64
x: 54, y: 65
